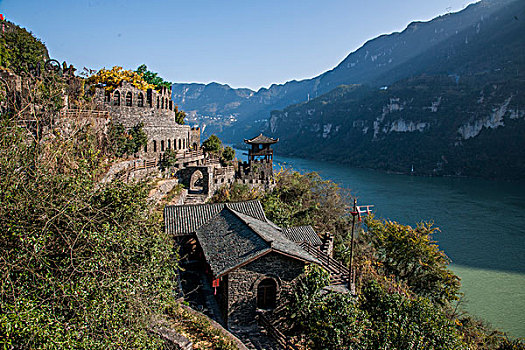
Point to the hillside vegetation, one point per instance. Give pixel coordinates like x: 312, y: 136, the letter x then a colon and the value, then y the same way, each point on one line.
x: 407, y: 295
x: 84, y: 264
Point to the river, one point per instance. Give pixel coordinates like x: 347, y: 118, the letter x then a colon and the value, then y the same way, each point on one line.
x: 482, y: 226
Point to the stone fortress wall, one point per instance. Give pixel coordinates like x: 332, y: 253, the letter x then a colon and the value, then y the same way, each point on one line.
x: 155, y: 110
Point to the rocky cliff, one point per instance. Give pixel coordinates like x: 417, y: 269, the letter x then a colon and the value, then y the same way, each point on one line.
x: 421, y: 47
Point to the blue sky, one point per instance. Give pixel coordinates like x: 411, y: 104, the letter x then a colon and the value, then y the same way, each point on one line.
x: 242, y: 43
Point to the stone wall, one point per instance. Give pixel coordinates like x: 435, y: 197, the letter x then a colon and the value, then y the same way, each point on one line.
x: 155, y: 110
x: 221, y: 177
x: 195, y: 137
x: 243, y: 283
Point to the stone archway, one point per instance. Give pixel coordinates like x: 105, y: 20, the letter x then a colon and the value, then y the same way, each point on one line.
x: 196, y: 182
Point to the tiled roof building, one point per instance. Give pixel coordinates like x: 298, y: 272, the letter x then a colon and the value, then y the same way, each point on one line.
x: 251, y: 260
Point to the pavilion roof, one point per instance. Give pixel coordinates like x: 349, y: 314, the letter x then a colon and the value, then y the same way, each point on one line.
x: 261, y: 139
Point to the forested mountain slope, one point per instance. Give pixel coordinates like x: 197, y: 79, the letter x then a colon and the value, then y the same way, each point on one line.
x: 380, y: 61
x: 462, y: 115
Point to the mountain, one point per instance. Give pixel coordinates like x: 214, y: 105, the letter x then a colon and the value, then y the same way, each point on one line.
x: 458, y: 111
x: 380, y: 61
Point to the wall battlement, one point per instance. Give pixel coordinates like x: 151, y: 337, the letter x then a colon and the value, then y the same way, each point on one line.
x: 130, y: 106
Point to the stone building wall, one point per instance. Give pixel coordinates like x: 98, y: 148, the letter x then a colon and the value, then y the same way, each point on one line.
x: 195, y: 137
x: 256, y: 170
x: 243, y: 283
x: 155, y: 110
x: 221, y: 177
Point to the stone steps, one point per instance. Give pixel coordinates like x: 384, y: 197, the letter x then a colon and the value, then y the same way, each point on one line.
x: 195, y: 199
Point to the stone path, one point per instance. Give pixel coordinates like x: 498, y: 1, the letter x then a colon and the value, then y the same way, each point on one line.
x: 192, y: 198
x: 255, y: 338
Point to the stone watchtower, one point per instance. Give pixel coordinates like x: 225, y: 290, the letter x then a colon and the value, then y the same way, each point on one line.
x: 259, y: 168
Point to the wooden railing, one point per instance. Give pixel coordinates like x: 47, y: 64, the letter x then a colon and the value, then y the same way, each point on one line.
x: 276, y: 334
x: 84, y: 113
x: 190, y: 154
x: 339, y: 273
x: 144, y: 164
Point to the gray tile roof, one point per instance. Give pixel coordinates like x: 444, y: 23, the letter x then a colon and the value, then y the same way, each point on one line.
x: 261, y: 139
x: 302, y: 234
x: 183, y: 220
x: 231, y: 239
x: 228, y: 242
x: 275, y: 238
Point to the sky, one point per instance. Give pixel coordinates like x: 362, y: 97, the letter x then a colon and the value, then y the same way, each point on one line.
x: 242, y: 43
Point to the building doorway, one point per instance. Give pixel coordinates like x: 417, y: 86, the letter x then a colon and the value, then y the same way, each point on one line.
x: 267, y: 294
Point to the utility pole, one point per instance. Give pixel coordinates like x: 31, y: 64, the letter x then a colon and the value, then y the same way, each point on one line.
x: 356, y: 212
x: 351, y: 282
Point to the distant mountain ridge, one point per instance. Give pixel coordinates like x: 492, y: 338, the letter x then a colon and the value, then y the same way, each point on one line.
x: 380, y: 61
x: 462, y: 115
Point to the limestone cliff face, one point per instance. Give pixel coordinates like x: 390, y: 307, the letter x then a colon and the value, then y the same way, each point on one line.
x: 431, y: 123
x: 464, y: 114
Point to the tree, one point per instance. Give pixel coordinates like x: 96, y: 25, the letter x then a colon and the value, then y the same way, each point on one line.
x: 236, y: 192
x: 84, y: 265
x: 152, y: 78
x: 113, y: 78
x: 399, y: 322
x: 179, y: 116
x: 307, y: 200
x: 19, y: 49
x: 228, y: 154
x: 212, y: 145
x: 328, y: 320
x: 126, y: 142
x: 169, y: 159
x: 413, y: 257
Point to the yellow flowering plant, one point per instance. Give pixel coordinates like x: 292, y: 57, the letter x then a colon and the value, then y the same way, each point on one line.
x: 113, y: 78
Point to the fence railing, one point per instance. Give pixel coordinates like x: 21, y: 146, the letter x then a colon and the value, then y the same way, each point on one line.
x: 144, y: 164
x: 339, y: 273
x: 84, y: 113
x: 276, y: 334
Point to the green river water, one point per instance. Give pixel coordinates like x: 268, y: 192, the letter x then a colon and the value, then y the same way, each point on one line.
x: 482, y: 224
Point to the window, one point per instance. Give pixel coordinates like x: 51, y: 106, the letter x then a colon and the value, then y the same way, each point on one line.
x: 162, y: 105
x: 267, y: 294
x: 116, y: 98
x: 107, y: 96
x: 149, y: 97
x: 129, y: 99
x: 169, y: 144
x: 162, y: 145
x: 140, y: 101
x: 158, y: 102
x: 154, y: 146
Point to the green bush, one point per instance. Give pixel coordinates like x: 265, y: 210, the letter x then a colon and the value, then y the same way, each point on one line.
x: 398, y: 322
x: 413, y: 257
x: 126, y: 142
x: 19, y: 48
x: 169, y: 159
x: 83, y: 265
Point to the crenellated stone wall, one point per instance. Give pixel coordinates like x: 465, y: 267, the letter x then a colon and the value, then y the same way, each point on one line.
x: 155, y: 110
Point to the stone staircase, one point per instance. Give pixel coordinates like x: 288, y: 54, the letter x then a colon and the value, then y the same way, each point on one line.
x: 194, y: 198
x: 339, y: 274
